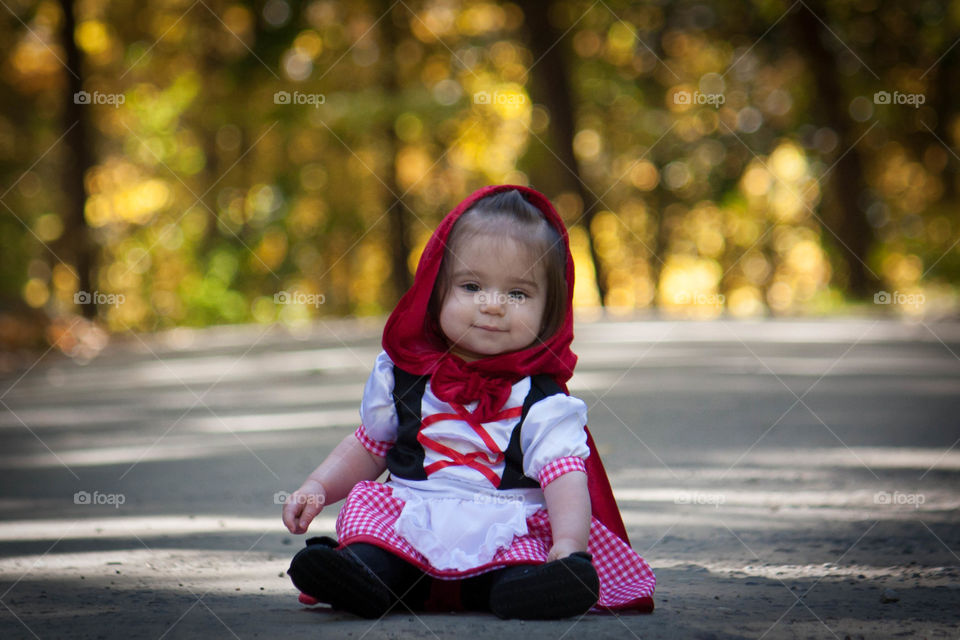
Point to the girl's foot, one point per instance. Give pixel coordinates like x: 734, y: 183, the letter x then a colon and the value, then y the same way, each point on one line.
x: 337, y: 578
x: 558, y: 589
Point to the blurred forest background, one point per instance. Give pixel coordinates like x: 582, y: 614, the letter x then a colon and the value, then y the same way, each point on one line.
x: 173, y: 163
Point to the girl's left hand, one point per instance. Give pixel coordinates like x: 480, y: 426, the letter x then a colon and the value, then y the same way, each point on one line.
x: 562, y: 548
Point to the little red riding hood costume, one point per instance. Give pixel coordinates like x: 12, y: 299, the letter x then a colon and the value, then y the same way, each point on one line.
x: 414, y: 343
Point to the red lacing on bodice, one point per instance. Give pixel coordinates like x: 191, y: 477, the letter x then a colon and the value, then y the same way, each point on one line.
x: 478, y: 460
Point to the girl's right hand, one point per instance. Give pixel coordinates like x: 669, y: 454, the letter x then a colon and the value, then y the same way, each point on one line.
x: 303, y: 505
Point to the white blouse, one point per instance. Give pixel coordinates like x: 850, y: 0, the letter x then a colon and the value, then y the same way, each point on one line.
x: 457, y: 518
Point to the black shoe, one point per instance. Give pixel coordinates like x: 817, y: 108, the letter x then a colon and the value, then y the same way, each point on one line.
x: 558, y: 589
x: 337, y: 578
x: 326, y: 541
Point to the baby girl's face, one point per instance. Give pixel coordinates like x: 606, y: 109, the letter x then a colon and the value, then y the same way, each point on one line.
x: 496, y: 298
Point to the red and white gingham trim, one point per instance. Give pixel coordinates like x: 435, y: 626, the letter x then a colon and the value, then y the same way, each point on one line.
x: 558, y: 467
x: 376, y: 447
x: 370, y: 513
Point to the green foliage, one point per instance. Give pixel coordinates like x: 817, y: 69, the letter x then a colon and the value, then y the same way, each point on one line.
x: 209, y: 195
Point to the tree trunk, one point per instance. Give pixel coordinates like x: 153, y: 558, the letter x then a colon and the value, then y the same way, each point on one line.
x: 208, y: 64
x: 661, y: 237
x: 854, y: 235
x: 552, y: 89
x: 397, y: 212
x: 946, y: 94
x: 76, y: 243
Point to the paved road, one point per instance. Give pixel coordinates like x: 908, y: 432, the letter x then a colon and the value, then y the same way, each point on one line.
x: 779, y: 477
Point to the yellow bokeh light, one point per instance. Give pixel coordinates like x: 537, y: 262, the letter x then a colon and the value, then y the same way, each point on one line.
x: 621, y: 41
x: 417, y: 250
x: 271, y: 250
x: 263, y: 310
x: 644, y: 176
x: 119, y: 193
x: 587, y: 43
x: 238, y: 20
x: 434, y: 23
x: 370, y: 263
x: 511, y: 102
x: 306, y: 215
x: 480, y: 18
x: 622, y: 36
x: 97, y: 211
x: 35, y: 292
x: 490, y: 140
x: 33, y: 60
x: 587, y: 144
x: 709, y: 241
x: 132, y: 313
x: 120, y: 276
x: 584, y: 284
x: 785, y: 204
x: 413, y: 164
x: 309, y: 42
x: 755, y: 267
x: 145, y: 199
x: 756, y: 181
x: 788, y: 163
x: 780, y: 296
x: 48, y: 227
x: 64, y: 279
x: 688, y: 286
x: 902, y: 270
x: 805, y: 256
x: 747, y: 232
x: 92, y: 37
x: 745, y: 302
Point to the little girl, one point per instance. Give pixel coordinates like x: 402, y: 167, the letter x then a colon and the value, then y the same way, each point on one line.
x: 496, y: 499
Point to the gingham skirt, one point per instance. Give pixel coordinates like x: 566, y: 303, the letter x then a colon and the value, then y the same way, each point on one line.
x: 626, y: 580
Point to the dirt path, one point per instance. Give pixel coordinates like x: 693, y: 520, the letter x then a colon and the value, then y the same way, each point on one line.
x: 784, y: 479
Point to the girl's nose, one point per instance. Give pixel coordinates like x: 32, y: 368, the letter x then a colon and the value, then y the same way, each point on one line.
x: 492, y: 303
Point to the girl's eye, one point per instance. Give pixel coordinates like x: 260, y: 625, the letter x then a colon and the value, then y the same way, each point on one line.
x: 519, y: 296
x: 471, y: 287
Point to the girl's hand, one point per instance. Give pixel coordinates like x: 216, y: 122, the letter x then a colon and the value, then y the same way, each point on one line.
x: 303, y: 506
x: 563, y: 547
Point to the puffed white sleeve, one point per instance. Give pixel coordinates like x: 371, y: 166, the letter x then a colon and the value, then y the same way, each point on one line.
x: 378, y: 414
x: 553, y: 438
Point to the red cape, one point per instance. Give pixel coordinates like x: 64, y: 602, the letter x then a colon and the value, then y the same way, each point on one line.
x: 415, y: 343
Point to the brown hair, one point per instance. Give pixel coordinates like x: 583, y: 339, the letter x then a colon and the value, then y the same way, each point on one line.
x: 510, y: 214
